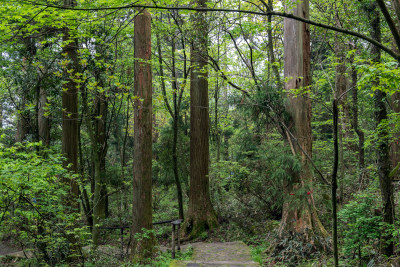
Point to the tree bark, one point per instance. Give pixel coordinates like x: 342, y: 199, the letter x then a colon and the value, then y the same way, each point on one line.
x: 201, y: 215
x: 382, y: 148
x: 22, y: 125
x: 96, y: 206
x: 70, y: 125
x: 100, y: 112
x: 360, y: 133
x: 395, y: 146
x: 341, y: 84
x: 395, y: 105
x: 43, y: 120
x: 142, y: 248
x: 299, y: 218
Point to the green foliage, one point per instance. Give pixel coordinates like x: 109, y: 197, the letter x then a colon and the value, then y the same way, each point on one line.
x: 163, y: 259
x: 163, y: 167
x: 252, y: 182
x: 145, y: 234
x: 360, y: 226
x: 32, y: 194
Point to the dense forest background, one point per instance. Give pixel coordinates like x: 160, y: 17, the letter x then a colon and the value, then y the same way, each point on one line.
x: 272, y: 122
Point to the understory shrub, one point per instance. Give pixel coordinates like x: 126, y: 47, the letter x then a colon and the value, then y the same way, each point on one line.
x: 33, y: 189
x: 360, y: 225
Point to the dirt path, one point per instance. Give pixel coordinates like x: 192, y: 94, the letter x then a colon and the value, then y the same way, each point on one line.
x: 4, y: 249
x: 232, y: 254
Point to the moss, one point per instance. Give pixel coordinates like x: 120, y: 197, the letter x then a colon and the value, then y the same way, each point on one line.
x: 176, y: 263
x: 196, y: 228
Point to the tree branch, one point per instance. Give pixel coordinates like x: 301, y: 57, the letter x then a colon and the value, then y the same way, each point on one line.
x: 390, y: 22
x: 271, y: 13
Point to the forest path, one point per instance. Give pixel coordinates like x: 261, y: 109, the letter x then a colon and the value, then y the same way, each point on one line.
x: 6, y: 249
x: 232, y: 254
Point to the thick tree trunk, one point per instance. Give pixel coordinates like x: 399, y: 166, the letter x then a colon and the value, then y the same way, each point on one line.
x: 70, y: 125
x: 201, y: 215
x: 382, y: 149
x: 299, y: 218
x: 101, y: 146
x: 142, y: 161
x: 395, y: 146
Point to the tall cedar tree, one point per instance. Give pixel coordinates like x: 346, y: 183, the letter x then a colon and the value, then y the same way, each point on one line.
x: 70, y: 126
x: 201, y: 215
x: 299, y: 218
x: 142, y: 159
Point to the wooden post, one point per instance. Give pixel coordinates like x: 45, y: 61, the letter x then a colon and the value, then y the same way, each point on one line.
x: 173, y: 241
x: 179, y: 239
x: 122, y: 240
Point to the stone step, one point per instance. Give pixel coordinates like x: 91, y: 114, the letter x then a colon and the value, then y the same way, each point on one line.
x: 221, y: 263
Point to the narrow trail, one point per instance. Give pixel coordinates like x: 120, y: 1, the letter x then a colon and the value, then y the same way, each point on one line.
x: 5, y: 249
x: 229, y: 254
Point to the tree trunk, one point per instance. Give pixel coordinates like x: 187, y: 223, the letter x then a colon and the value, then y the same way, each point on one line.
x: 22, y: 124
x: 395, y: 146
x: 395, y: 104
x: 299, y: 218
x: 176, y: 129
x: 96, y: 206
x: 360, y: 133
x: 382, y: 149
x: 201, y: 215
x: 100, y: 104
x: 271, y: 48
x: 142, y: 162
x: 43, y: 120
x: 341, y: 83
x: 70, y: 125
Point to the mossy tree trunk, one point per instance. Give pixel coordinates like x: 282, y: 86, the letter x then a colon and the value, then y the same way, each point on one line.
x: 201, y: 215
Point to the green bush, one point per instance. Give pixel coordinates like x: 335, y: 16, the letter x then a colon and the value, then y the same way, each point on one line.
x: 32, y: 198
x: 360, y: 226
